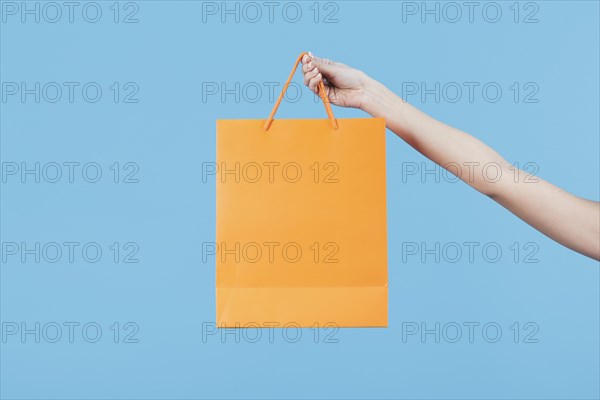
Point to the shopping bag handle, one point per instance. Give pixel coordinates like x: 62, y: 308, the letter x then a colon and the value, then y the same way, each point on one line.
x: 322, y: 95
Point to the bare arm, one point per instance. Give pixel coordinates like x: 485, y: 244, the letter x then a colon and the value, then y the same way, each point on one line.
x: 568, y: 219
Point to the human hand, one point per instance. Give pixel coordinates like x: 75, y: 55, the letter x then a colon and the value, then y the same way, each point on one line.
x: 345, y: 86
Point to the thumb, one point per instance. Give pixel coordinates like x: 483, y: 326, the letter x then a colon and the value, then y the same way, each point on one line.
x: 324, y: 65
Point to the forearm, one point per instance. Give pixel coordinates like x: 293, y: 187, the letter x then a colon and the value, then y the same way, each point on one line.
x: 568, y: 219
x: 441, y: 143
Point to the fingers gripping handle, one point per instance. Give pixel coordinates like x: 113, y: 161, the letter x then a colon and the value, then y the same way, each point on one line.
x: 322, y: 95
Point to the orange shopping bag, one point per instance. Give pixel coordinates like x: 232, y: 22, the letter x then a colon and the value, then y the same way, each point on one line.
x: 301, y: 230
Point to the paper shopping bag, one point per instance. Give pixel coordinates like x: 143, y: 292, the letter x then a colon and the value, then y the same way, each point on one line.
x: 301, y: 232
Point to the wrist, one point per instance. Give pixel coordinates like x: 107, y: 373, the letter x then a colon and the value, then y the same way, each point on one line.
x: 400, y: 116
x: 373, y: 96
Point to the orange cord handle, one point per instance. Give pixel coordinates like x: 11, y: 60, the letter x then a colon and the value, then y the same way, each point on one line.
x: 322, y: 95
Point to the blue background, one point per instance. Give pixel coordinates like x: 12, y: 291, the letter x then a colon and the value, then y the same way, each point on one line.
x: 170, y: 132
